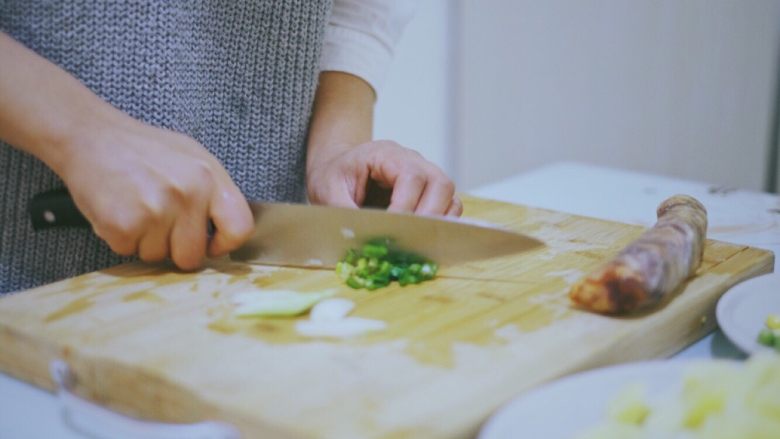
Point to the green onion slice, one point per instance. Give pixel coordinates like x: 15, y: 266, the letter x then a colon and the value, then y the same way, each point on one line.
x: 379, y: 262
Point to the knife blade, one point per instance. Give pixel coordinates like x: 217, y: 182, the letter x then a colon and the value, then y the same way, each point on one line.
x: 319, y: 236
x: 302, y: 235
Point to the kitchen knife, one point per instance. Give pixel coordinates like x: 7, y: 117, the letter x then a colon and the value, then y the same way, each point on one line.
x: 319, y: 236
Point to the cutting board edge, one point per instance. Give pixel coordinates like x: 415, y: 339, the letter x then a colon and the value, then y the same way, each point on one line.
x: 105, y: 376
x: 19, y: 347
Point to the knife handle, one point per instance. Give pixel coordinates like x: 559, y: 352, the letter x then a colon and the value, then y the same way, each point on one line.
x: 55, y: 208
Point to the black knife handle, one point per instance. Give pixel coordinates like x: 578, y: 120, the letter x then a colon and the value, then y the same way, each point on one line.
x: 55, y: 208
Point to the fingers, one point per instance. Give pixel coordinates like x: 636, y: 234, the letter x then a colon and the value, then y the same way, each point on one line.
x: 151, y: 192
x: 122, y: 235
x: 425, y: 195
x: 425, y: 190
x: 407, y: 191
x: 188, y: 239
x: 366, y: 174
x: 340, y: 198
x: 183, y: 237
x: 342, y: 184
x: 336, y: 193
x: 438, y: 195
x: 418, y: 186
x: 232, y: 219
x: 154, y: 244
x: 120, y: 228
x: 455, y: 208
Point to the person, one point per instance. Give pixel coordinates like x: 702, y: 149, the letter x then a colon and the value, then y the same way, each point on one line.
x: 161, y: 116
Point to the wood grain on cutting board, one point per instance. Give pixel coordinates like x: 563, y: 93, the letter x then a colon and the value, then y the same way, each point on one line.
x: 162, y: 345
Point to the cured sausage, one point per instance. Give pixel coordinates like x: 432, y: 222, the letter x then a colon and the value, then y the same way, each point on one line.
x: 653, y: 266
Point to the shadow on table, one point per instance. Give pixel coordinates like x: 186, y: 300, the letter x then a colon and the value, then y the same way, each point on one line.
x: 722, y: 348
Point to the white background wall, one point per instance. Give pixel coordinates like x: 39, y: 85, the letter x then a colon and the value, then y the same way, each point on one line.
x: 490, y: 88
x: 413, y: 107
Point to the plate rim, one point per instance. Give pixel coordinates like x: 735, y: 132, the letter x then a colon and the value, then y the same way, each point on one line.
x: 735, y: 295
x: 492, y: 427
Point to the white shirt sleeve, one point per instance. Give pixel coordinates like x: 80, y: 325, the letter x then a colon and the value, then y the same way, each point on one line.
x: 361, y: 35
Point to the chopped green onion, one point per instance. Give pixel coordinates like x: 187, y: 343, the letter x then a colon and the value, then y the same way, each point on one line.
x: 373, y: 250
x: 397, y: 271
x: 378, y: 263
x: 766, y: 337
x: 355, y: 282
x: 352, y: 257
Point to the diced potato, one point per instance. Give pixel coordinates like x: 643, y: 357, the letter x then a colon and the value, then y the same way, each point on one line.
x: 718, y: 400
x: 773, y: 321
x: 629, y: 407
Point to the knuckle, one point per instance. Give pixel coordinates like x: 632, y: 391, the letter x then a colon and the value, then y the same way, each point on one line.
x: 122, y: 228
x: 194, y: 184
x: 415, y: 175
x: 406, y: 153
x: 152, y: 210
x: 202, y: 171
x: 389, y: 143
x: 176, y: 191
x: 448, y: 185
x: 375, y: 143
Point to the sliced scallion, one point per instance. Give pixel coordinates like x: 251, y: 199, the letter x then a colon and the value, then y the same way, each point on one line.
x: 378, y: 263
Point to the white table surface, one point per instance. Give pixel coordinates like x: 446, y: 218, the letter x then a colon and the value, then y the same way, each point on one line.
x: 736, y: 216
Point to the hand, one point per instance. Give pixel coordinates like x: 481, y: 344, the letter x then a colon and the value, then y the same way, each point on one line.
x: 151, y: 192
x: 406, y: 181
x: 145, y: 190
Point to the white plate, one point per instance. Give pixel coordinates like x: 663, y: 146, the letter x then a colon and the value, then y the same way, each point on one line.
x: 566, y: 407
x: 742, y: 311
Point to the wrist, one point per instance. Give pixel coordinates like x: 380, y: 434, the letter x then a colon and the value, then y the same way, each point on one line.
x: 81, y: 132
x: 341, y: 117
x: 323, y: 152
x: 44, y: 110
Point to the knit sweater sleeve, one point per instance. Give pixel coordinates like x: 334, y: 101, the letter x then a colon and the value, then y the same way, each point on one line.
x: 361, y: 35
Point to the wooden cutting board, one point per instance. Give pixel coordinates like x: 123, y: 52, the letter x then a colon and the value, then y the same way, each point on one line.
x: 157, y: 344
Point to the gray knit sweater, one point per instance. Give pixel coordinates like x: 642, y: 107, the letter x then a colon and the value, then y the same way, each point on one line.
x: 238, y: 76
